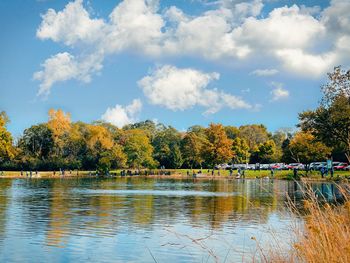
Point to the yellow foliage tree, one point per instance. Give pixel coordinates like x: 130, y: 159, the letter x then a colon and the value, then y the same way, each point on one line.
x: 59, y: 123
x: 6, y: 149
x: 218, y: 148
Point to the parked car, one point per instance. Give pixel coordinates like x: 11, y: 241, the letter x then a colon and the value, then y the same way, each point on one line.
x: 264, y: 166
x: 340, y: 166
x: 222, y: 166
x: 347, y: 168
x: 298, y: 166
x: 321, y: 165
x: 277, y: 166
x: 317, y: 165
x: 336, y: 163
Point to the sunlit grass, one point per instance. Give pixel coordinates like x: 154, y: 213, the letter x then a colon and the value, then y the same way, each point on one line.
x: 324, y: 235
x: 249, y: 174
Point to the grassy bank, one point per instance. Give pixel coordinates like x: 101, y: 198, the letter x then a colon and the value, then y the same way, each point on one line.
x: 249, y: 174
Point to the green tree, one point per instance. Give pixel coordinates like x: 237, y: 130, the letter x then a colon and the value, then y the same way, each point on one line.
x: 254, y: 135
x: 150, y: 127
x: 165, y: 143
x: 176, y: 156
x: 191, y: 148
x: 37, y: 141
x: 112, y: 158
x: 231, y: 132
x: 330, y: 122
x: 265, y: 152
x: 240, y: 150
x: 138, y: 149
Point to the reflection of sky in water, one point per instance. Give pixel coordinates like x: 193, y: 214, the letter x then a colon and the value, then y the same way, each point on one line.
x: 118, y: 220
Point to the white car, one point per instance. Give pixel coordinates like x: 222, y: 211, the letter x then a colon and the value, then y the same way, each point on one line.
x: 298, y: 166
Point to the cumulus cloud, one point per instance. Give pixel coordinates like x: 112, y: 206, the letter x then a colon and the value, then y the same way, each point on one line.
x: 264, y: 72
x: 121, y: 116
x: 301, y: 40
x: 278, y: 92
x: 64, y: 66
x: 71, y: 25
x: 181, y: 89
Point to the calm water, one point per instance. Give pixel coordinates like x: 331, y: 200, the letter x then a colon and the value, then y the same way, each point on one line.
x: 141, y: 220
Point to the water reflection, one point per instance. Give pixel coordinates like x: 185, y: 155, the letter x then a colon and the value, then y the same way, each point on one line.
x: 123, y: 219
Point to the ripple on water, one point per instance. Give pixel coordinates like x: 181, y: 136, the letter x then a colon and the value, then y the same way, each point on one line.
x: 151, y: 192
x: 136, y: 219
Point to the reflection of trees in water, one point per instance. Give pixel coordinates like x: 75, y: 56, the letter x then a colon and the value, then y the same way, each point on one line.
x: 5, y: 185
x: 34, y: 198
x: 251, y: 201
x: 55, y: 208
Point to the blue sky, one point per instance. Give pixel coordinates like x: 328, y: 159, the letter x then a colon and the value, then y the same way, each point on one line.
x: 178, y: 62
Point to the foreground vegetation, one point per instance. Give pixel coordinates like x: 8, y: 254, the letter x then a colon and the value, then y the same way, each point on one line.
x: 60, y: 143
x: 323, y: 235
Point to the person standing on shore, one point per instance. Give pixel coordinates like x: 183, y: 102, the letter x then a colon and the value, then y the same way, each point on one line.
x: 322, y: 170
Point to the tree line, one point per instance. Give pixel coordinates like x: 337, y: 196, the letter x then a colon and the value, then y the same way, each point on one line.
x: 61, y: 143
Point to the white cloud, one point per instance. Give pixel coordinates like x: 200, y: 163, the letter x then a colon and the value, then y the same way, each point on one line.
x: 121, y: 116
x: 264, y: 72
x: 303, y: 63
x: 285, y: 27
x: 336, y: 17
x: 64, y: 66
x: 71, y: 25
x: 181, y: 89
x: 134, y: 25
x: 278, y: 92
x: 301, y: 40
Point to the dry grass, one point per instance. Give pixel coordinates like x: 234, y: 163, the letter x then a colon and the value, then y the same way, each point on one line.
x: 323, y: 237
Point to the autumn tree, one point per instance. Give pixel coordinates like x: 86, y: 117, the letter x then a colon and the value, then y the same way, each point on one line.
x: 304, y: 148
x: 218, y: 147
x: 7, y: 151
x: 59, y: 123
x: 98, y: 140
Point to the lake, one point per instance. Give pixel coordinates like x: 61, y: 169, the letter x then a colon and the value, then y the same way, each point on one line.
x: 143, y: 219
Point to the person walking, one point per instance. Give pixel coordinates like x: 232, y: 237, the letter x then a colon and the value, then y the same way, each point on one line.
x: 295, y: 173
x: 322, y: 170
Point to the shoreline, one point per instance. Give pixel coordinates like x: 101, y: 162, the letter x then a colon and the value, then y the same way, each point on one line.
x: 89, y: 174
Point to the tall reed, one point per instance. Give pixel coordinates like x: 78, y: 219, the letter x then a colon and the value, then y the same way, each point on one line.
x: 324, y: 235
